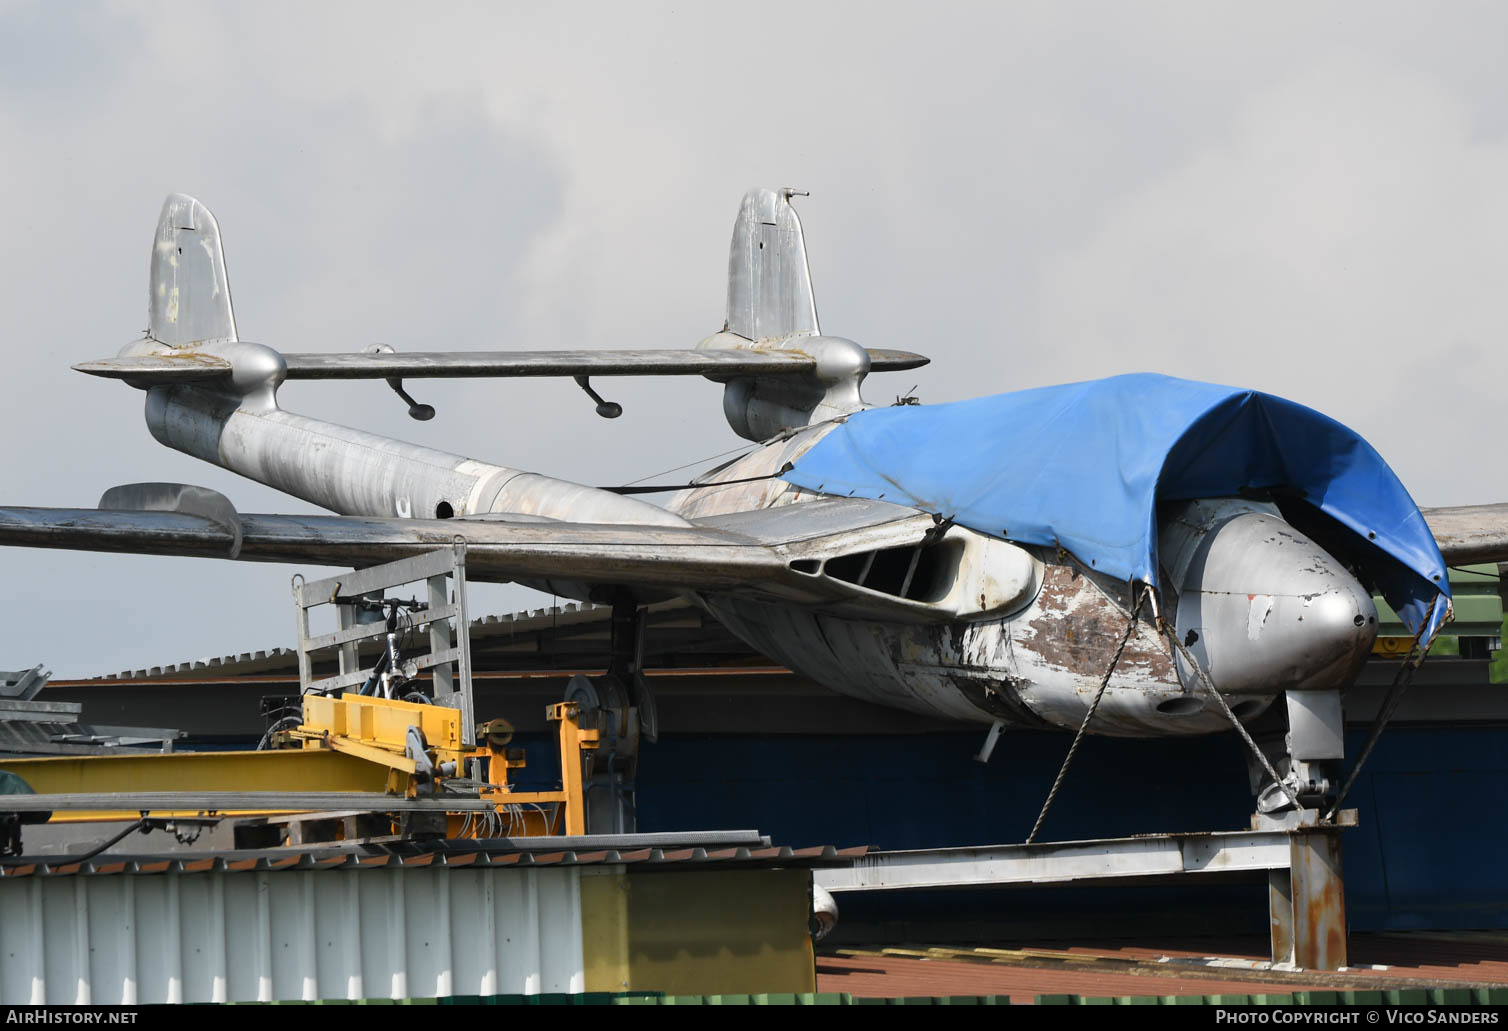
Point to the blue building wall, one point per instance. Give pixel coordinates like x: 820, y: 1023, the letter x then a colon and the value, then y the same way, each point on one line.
x: 1428, y: 852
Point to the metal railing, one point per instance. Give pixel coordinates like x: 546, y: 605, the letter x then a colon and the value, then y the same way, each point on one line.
x: 450, y: 662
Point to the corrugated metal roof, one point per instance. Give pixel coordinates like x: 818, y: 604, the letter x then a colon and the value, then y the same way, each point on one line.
x: 483, y: 630
x: 271, y: 659
x: 331, y: 859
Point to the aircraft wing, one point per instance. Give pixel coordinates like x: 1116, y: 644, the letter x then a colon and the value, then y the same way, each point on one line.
x: 1471, y: 533
x: 773, y: 553
x: 771, y: 556
x: 183, y: 366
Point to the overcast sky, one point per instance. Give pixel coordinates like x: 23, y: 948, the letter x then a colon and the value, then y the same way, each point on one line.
x: 1308, y: 199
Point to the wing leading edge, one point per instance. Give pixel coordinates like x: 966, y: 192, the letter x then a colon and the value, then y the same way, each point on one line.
x: 1471, y: 533
x: 637, y: 556
x: 750, y: 555
x: 183, y: 366
x: 769, y: 554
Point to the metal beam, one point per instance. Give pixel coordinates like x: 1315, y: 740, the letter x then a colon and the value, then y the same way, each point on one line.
x: 1307, y: 905
x: 1302, y: 859
x: 1058, y: 862
x: 287, y: 770
x: 364, y: 581
x: 40, y: 712
x: 617, y: 842
x: 239, y: 802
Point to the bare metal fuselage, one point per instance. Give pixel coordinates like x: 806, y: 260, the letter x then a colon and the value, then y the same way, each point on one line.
x: 999, y: 632
x: 1038, y: 663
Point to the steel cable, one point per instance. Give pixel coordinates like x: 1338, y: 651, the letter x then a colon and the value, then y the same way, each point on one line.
x: 1230, y: 715
x: 1078, y: 738
x: 1401, y: 681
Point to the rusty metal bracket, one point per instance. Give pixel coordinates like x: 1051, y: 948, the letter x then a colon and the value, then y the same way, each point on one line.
x: 1307, y: 901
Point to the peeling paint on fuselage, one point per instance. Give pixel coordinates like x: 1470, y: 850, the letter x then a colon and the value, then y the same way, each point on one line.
x: 1040, y: 665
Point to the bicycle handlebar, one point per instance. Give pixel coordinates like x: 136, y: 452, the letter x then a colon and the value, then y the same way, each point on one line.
x: 368, y: 605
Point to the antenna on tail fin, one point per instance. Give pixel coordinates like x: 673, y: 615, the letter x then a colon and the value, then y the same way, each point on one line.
x: 188, y: 294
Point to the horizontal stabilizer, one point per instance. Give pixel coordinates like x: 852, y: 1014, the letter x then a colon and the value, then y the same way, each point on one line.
x: 188, y: 366
x: 181, y: 367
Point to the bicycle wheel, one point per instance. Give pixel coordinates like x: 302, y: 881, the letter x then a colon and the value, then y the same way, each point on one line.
x: 284, y: 724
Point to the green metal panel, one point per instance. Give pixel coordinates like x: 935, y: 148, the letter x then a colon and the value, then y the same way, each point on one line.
x: 1475, y: 598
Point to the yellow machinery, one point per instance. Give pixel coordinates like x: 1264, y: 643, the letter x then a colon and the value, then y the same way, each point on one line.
x: 357, y: 746
x: 378, y: 730
x: 393, y: 766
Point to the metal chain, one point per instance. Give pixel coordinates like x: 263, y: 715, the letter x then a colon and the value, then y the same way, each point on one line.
x: 1225, y: 708
x: 1401, y: 681
x: 1078, y: 738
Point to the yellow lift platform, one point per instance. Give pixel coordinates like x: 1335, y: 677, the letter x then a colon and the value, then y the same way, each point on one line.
x: 354, y: 746
x: 353, y: 754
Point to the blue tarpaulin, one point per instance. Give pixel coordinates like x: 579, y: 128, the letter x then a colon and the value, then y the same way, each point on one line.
x: 1083, y: 466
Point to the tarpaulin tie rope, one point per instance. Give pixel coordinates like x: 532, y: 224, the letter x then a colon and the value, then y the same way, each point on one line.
x: 1078, y: 738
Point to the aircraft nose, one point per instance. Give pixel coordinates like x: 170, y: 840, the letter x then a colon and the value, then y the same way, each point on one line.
x: 1261, y: 606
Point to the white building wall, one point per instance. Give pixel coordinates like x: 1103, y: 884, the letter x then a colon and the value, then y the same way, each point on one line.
x: 394, y: 932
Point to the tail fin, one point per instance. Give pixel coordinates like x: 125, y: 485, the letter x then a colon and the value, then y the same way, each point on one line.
x: 188, y: 295
x: 769, y: 284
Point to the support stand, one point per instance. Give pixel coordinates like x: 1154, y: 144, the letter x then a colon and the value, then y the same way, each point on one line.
x: 1299, y: 854
x: 1307, y: 901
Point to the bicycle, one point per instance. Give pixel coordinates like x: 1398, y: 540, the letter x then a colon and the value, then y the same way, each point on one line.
x: 389, y: 676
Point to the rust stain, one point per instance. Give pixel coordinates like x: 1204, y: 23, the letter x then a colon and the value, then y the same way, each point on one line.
x: 1323, y: 945
x: 1079, y: 629
x: 1058, y: 588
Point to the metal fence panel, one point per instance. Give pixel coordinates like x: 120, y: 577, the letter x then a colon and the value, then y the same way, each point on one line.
x: 394, y: 933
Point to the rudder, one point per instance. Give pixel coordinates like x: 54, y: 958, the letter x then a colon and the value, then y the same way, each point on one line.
x: 188, y: 293
x: 769, y: 283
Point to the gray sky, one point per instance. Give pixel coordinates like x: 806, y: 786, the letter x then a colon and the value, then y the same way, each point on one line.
x: 1308, y: 199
